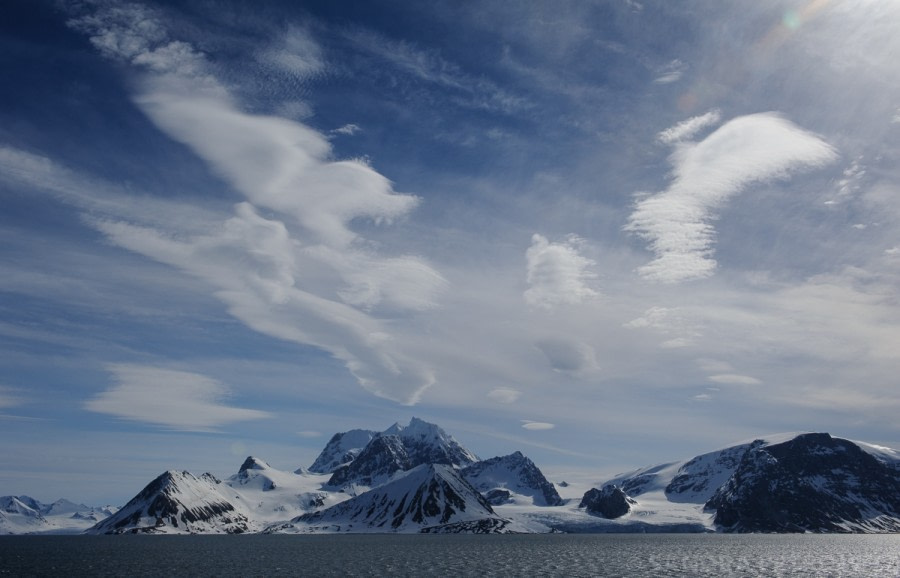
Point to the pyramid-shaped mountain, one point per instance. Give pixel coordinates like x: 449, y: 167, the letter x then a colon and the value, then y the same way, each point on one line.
x: 177, y: 503
x: 426, y: 497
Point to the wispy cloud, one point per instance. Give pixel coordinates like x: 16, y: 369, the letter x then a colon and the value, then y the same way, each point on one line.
x: 295, y: 52
x: 504, y: 395
x: 671, y: 72
x: 733, y: 379
x: 348, y: 129
x: 430, y: 67
x: 688, y: 128
x: 177, y: 400
x: 677, y: 221
x: 277, y: 271
x: 9, y: 397
x: 557, y: 273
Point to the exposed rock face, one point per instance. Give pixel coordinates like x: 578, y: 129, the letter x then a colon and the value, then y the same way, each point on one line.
x: 380, y: 459
x: 401, y: 448
x: 497, y: 497
x: 610, y: 502
x: 426, y: 443
x: 432, y: 495
x: 515, y: 473
x: 812, y: 483
x: 177, y: 502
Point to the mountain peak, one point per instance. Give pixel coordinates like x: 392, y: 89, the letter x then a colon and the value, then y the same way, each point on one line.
x: 512, y: 473
x: 252, y: 463
x: 177, y: 502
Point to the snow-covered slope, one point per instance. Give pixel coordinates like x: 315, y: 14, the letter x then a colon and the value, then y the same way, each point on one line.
x: 511, y: 478
x: 269, y: 495
x: 432, y: 497
x: 341, y: 449
x: 25, y: 515
x: 178, y: 503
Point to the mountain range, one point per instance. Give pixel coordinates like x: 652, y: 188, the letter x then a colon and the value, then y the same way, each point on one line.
x: 417, y: 478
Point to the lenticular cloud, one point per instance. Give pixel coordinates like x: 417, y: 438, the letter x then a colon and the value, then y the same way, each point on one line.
x: 288, y: 264
x: 747, y: 149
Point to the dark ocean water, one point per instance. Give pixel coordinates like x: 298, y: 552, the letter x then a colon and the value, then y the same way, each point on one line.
x: 453, y: 555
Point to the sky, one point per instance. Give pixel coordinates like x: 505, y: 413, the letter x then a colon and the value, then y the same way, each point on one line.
x: 605, y: 233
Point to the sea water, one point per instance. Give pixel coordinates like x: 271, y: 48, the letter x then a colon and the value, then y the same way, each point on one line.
x: 453, y: 555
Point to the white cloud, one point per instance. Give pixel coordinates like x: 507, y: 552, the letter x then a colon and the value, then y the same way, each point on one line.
x: 734, y: 379
x: 688, y: 128
x: 746, y: 150
x: 177, y: 400
x: 505, y: 395
x: 300, y: 272
x: 557, y: 273
x: 253, y: 264
x: 671, y: 72
x: 537, y: 425
x: 348, y: 129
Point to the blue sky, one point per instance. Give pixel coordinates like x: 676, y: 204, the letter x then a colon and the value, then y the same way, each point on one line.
x: 606, y: 234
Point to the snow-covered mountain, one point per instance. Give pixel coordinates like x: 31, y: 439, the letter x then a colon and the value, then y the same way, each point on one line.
x: 25, y: 515
x: 396, y: 449
x: 429, y: 496
x: 811, y: 483
x: 178, y: 503
x: 783, y: 483
x: 508, y: 479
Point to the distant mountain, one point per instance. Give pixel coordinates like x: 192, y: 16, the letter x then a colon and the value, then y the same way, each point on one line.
x: 21, y: 514
x: 509, y: 476
x: 177, y: 503
x: 400, y: 448
x: 25, y: 515
x: 432, y: 497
